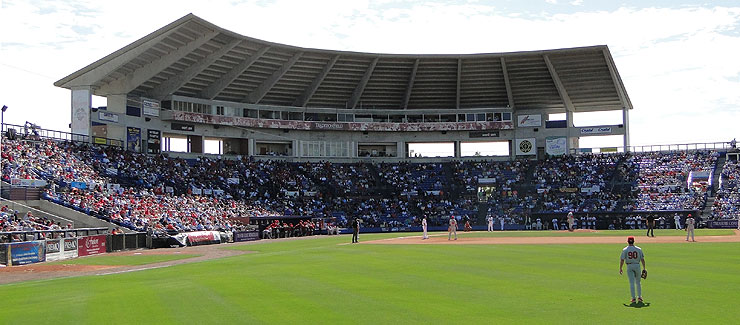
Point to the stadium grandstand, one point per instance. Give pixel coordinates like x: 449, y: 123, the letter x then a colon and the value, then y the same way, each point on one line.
x: 207, y: 130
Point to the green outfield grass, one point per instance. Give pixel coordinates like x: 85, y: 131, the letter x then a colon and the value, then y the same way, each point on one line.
x: 124, y: 260
x: 318, y: 281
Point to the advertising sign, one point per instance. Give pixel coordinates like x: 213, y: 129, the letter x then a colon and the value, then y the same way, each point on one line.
x: 27, y: 252
x: 726, y: 223
x: 53, y: 249
x: 153, y: 141
x: 483, y: 134
x: 91, y: 245
x: 133, y: 139
x: 99, y: 140
x: 555, y: 146
x: 107, y: 116
x: 526, y: 147
x: 597, y: 130
x: 69, y: 248
x: 203, y: 237
x: 21, y: 182
x: 240, y: 236
x: 151, y: 107
x: 232, y: 180
x: 531, y: 120
x: 81, y: 111
x: 183, y: 127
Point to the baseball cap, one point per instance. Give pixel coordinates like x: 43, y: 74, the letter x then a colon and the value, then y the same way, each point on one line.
x: 630, y: 239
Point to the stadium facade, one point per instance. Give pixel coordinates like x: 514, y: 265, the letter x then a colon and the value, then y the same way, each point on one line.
x: 192, y: 80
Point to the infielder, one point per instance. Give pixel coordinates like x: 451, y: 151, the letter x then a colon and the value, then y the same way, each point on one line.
x: 490, y: 223
x: 677, y: 219
x: 452, y: 228
x: 633, y: 256
x: 424, y: 226
x: 690, y: 227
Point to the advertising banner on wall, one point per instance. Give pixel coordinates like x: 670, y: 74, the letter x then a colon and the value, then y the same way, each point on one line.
x: 556, y: 146
x: 22, y: 182
x: 240, y: 236
x: 203, y: 237
x: 526, y: 147
x: 107, y: 116
x: 530, y: 120
x: 69, y: 248
x: 81, y: 111
x: 91, y: 245
x: 153, y: 141
x: 150, y: 107
x: 597, y: 130
x: 27, y: 252
x: 133, y: 139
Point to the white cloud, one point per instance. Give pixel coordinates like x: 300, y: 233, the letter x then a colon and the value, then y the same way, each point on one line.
x: 674, y: 61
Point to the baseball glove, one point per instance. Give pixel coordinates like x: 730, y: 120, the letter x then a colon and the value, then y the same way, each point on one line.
x: 644, y: 274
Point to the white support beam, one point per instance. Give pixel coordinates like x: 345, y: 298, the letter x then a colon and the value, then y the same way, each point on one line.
x: 410, y: 86
x: 170, y: 85
x: 361, y: 86
x: 219, y: 85
x: 257, y: 95
x: 303, y: 99
x: 128, y: 83
x: 616, y: 80
x: 459, y: 77
x: 509, y: 94
x: 559, y: 85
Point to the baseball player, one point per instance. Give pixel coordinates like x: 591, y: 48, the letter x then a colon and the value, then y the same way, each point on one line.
x: 555, y: 224
x: 356, y: 230
x: 690, y: 227
x: 452, y: 228
x: 501, y: 220
x: 490, y: 223
x: 633, y: 256
x: 424, y: 227
x: 570, y: 221
x: 677, y: 220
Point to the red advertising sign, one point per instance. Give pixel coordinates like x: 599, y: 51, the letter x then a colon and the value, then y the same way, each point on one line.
x: 91, y: 245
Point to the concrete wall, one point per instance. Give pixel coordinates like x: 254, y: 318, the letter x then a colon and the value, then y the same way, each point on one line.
x: 80, y: 219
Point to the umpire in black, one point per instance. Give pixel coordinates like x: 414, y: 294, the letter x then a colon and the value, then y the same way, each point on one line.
x: 650, y: 225
x: 355, y: 230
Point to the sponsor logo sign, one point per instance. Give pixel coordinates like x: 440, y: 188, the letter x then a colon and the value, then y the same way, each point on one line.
x: 597, y: 130
x: 70, y: 248
x: 107, y: 116
x: 183, y: 127
x: 99, y: 140
x: 203, y: 237
x: 150, y: 107
x: 27, y: 252
x: 526, y: 147
x: 133, y: 139
x: 153, y: 141
x: 240, y: 236
x: 531, y: 120
x: 232, y: 180
x: 722, y: 224
x: 20, y: 182
x: 555, y: 146
x: 91, y: 245
x: 483, y: 134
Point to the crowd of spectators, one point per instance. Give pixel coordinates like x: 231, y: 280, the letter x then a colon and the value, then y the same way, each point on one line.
x: 664, y: 176
x: 727, y: 201
x: 139, y: 191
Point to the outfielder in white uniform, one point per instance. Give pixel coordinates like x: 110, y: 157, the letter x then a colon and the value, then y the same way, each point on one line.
x: 677, y: 219
x: 424, y: 227
x: 490, y: 223
x: 452, y: 229
x: 633, y: 256
x: 570, y: 221
x: 690, y: 228
x: 501, y: 220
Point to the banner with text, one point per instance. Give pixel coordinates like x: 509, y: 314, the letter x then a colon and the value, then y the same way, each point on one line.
x: 530, y: 120
x: 91, y: 245
x: 556, y: 146
x: 27, y: 252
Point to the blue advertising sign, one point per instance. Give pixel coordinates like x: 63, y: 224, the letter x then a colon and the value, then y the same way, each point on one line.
x: 27, y: 252
x: 80, y: 185
x: 133, y: 139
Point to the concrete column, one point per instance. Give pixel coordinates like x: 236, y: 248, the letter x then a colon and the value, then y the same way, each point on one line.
x: 626, y: 123
x: 401, y: 150
x: 251, y: 146
x: 458, y: 150
x: 80, y: 110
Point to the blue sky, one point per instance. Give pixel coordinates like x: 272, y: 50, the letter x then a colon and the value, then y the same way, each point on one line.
x: 678, y: 59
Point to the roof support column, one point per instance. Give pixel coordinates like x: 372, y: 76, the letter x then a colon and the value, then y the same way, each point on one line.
x: 509, y: 94
x: 357, y: 94
x: 626, y: 123
x: 410, y: 86
x: 459, y: 76
x: 559, y: 85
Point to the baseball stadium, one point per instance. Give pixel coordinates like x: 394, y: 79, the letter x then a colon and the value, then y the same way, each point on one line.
x: 233, y: 179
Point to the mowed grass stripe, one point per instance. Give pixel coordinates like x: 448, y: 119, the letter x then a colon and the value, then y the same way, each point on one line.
x: 318, y: 281
x: 123, y: 259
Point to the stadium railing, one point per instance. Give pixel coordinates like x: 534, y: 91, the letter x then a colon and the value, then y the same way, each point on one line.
x: 26, y: 132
